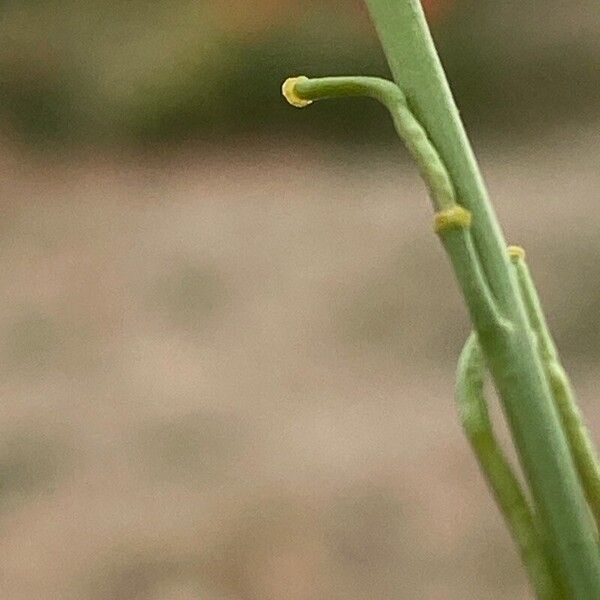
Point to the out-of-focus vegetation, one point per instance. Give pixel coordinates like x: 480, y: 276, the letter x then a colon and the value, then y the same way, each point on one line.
x: 144, y: 71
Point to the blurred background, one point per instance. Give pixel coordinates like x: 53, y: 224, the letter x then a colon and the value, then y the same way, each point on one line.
x: 228, y: 335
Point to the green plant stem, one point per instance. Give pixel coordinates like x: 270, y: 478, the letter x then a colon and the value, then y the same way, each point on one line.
x: 417, y: 70
x: 407, y: 125
x: 473, y: 239
x: 510, y: 352
x: 580, y: 442
x: 497, y: 470
x: 452, y: 221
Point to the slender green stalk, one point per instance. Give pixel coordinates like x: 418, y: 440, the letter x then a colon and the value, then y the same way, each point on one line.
x: 497, y: 470
x: 452, y: 221
x: 417, y: 70
x: 580, y: 442
x: 510, y: 352
x: 476, y: 247
x: 302, y: 91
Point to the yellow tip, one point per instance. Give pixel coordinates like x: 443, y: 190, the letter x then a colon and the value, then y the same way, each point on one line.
x: 456, y: 217
x: 516, y: 253
x: 288, y: 89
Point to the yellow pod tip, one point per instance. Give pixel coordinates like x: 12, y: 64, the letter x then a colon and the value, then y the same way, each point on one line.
x: 288, y: 89
x: 516, y: 253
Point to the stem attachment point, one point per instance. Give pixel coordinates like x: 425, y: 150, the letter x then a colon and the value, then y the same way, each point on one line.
x: 516, y: 253
x: 455, y: 217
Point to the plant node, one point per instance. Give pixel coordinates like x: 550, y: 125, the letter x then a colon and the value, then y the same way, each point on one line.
x: 455, y: 217
x: 516, y: 253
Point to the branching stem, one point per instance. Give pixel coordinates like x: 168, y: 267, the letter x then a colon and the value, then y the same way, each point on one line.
x: 580, y: 442
x: 428, y: 121
x: 302, y: 91
x: 452, y: 221
x: 497, y: 470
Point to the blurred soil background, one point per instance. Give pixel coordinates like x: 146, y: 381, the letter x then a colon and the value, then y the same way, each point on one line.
x: 228, y: 335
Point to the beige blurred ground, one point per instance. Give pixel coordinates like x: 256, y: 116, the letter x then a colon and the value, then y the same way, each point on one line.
x: 227, y: 373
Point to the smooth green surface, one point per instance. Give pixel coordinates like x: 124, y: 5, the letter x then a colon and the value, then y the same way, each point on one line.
x: 453, y: 222
x: 409, y: 128
x: 417, y: 70
x: 497, y: 470
x: 510, y: 352
x: 582, y: 448
x: 477, y: 252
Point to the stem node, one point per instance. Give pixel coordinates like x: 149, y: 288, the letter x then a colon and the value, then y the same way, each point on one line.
x: 455, y: 217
